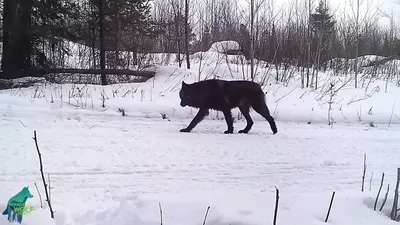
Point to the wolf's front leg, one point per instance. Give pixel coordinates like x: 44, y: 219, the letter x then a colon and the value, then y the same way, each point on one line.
x: 197, y: 119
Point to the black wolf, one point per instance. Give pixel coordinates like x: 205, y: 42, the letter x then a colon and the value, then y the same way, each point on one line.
x: 222, y: 95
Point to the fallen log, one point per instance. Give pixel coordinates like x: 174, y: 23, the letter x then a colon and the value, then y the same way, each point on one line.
x: 41, y: 72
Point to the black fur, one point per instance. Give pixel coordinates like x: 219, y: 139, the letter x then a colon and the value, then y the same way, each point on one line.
x: 223, y: 96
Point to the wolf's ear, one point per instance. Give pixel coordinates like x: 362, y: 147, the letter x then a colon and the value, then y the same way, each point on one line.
x: 183, y: 84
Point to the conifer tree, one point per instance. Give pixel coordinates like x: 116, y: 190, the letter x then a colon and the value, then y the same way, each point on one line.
x: 322, y: 32
x: 26, y: 23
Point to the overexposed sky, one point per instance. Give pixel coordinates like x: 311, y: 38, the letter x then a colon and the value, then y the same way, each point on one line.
x: 342, y: 7
x: 369, y: 9
x: 382, y: 7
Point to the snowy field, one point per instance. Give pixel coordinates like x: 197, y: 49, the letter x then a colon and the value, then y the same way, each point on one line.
x: 110, y: 169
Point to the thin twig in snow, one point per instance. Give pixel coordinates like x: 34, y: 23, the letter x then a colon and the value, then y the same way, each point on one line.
x: 330, y: 207
x: 41, y: 171
x: 391, y: 116
x: 393, y: 214
x: 276, y: 205
x: 370, y: 181
x: 40, y: 196
x: 48, y: 177
x: 205, y: 217
x: 380, y: 188
x: 22, y: 123
x: 161, y: 220
x: 364, y: 170
x: 385, y: 198
x: 285, y: 95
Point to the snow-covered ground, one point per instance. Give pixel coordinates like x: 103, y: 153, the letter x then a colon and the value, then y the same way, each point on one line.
x: 109, y: 169
x: 115, y: 170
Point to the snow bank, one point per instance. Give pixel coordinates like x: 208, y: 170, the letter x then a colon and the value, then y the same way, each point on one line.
x: 224, y: 46
x: 40, y: 216
x: 244, y: 209
x: 158, y: 98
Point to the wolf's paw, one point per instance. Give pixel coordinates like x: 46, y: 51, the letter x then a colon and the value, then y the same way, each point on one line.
x: 185, y: 130
x: 228, y: 132
x: 243, y: 131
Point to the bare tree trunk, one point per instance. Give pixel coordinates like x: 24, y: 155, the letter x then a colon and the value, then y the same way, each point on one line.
x: 17, y: 36
x: 102, y: 50
x: 308, y: 45
x: 317, y: 61
x: 116, y: 35
x: 252, y: 40
x: 357, y: 38
x: 94, y: 48
x: 187, y: 33
x: 93, y: 42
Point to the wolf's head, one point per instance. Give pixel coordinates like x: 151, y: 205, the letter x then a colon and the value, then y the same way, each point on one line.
x: 195, y: 94
x: 184, y: 94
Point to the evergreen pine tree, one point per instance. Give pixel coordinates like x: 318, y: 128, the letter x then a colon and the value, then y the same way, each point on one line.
x: 28, y: 25
x: 323, y: 31
x: 322, y: 21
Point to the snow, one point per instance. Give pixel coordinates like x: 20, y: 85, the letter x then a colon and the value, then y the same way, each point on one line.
x: 108, y: 169
x: 223, y: 46
x: 115, y: 170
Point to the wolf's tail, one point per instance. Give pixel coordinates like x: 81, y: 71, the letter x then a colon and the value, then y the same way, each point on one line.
x: 5, y: 211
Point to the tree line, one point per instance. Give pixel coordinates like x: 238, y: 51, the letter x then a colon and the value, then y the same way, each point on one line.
x: 302, y: 33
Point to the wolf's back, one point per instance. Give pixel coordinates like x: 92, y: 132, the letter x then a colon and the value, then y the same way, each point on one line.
x: 242, y: 89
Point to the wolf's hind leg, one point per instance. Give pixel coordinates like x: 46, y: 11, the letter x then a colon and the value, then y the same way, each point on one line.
x: 245, y: 111
x: 228, y: 120
x: 262, y: 109
x: 203, y: 112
